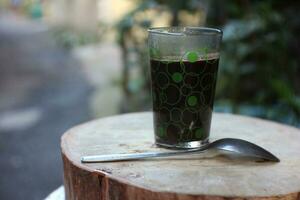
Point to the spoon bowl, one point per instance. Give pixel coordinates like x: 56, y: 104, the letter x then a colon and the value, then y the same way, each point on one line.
x: 242, y: 148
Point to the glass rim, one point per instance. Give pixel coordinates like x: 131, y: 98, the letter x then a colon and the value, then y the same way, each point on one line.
x: 197, y: 31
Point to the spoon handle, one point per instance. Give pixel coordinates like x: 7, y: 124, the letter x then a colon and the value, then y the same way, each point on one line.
x: 134, y: 156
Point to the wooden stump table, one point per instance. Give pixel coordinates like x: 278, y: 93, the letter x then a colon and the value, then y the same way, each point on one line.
x: 181, y: 178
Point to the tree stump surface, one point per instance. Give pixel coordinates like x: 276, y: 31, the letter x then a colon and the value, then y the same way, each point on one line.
x: 181, y: 178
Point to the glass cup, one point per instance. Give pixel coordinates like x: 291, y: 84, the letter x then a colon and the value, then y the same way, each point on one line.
x: 184, y: 65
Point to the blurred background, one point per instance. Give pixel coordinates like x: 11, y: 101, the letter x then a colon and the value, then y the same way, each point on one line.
x: 64, y: 62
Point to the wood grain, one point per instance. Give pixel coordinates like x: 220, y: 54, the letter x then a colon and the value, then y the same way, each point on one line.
x: 181, y: 178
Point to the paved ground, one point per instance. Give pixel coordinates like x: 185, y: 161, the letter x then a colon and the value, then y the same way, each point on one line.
x: 43, y: 92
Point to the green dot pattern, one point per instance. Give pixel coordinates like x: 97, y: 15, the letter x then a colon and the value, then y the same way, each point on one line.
x: 183, y: 93
x: 199, y: 133
x: 192, y: 100
x: 162, y: 131
x: 192, y: 56
x: 177, y: 77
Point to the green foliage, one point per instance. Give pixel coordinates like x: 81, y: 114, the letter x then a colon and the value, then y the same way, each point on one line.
x: 259, y: 66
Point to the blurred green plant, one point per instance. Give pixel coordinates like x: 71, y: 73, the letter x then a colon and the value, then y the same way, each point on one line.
x: 259, y: 65
x: 68, y: 38
x: 36, y: 10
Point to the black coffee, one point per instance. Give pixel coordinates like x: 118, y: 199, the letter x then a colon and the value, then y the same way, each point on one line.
x: 183, y: 96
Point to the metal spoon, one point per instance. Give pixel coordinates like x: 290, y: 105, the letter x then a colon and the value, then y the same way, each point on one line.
x: 223, y: 146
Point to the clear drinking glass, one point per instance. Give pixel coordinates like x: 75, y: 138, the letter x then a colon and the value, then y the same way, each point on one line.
x: 184, y: 65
